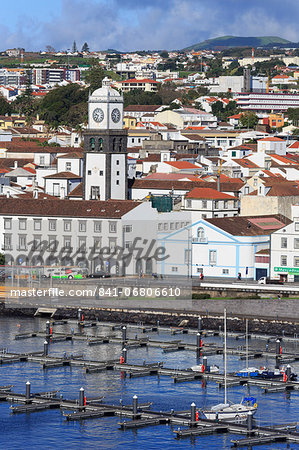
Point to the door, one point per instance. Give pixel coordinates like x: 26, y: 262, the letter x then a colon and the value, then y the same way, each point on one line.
x: 259, y: 273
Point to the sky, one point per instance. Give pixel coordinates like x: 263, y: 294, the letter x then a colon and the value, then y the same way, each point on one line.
x: 128, y: 25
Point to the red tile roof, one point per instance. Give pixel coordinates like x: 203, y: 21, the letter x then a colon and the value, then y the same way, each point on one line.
x: 113, y: 209
x: 182, y: 165
x: 271, y: 139
x: 208, y: 193
x: 61, y: 175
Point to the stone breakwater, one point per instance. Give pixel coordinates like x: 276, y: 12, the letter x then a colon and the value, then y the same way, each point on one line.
x: 210, y: 321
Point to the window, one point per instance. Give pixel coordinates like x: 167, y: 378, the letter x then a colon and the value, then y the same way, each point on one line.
x: 22, y: 242
x: 117, y: 162
x: 112, y: 227
x: 255, y: 182
x: 212, y: 257
x: 128, y: 244
x: 296, y: 226
x: 82, y: 227
x: 7, y: 224
x: 7, y: 242
x: 233, y: 153
x: 101, y: 173
x: 165, y: 226
x: 97, y: 243
x: 284, y: 242
x: 128, y: 228
x: 189, y: 203
x: 82, y: 244
x: 52, y: 225
x: 177, y: 225
x: 112, y: 244
x: 199, y: 270
x: 283, y: 260
x: 200, y: 234
x: 296, y: 261
x: 204, y: 216
x: 160, y: 226
x: 52, y: 243
x: 37, y: 225
x: 225, y: 271
x: 204, y: 204
x: 89, y: 172
x: 42, y: 160
x: 216, y: 204
x: 68, y: 166
x: 22, y: 224
x: 296, y: 243
x: 225, y: 204
x: 171, y: 225
x: 67, y: 241
x: 117, y: 182
x: 174, y: 269
x: 67, y: 225
x: 117, y: 172
x: 94, y: 192
x: 97, y: 227
x: 235, y: 203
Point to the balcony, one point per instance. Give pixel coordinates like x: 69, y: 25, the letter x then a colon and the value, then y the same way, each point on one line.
x: 200, y: 240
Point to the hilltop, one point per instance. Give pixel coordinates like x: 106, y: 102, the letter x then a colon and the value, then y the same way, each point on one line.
x: 239, y: 41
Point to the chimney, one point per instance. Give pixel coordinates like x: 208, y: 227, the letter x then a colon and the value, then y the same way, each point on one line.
x: 15, y: 164
x: 35, y: 193
x: 62, y: 193
x: 7, y: 194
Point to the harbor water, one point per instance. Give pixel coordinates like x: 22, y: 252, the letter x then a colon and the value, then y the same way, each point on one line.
x: 48, y: 429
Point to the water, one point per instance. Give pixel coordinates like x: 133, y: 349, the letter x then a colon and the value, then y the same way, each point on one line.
x: 48, y: 429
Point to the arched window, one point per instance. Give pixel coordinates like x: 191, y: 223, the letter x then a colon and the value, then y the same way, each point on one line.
x: 92, y: 143
x: 100, y: 144
x: 200, y: 234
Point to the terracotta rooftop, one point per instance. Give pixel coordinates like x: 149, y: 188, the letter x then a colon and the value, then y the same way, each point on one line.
x: 113, y: 209
x: 61, y: 175
x: 208, y: 193
x: 141, y: 108
x: 77, y: 191
x: 245, y: 226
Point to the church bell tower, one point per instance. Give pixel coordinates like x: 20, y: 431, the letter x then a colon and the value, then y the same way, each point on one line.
x: 105, y: 146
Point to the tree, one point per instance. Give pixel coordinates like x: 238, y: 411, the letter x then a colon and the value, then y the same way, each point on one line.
x: 74, y: 47
x: 25, y: 103
x: 50, y: 49
x: 249, y: 119
x: 65, y: 105
x: 138, y: 97
x: 293, y: 115
x: 94, y: 76
x: 85, y: 47
x: 5, y: 107
x: 164, y: 54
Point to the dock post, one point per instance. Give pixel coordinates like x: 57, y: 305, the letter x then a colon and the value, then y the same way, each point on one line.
x: 135, y: 405
x: 124, y: 355
x: 199, y: 323
x: 124, y: 334
x: 81, y: 397
x: 79, y: 314
x: 28, y: 387
x: 198, y: 341
x: 193, y: 414
x: 288, y: 372
x: 249, y: 421
x: 277, y: 348
x: 46, y: 348
x: 47, y: 328
x: 205, y: 363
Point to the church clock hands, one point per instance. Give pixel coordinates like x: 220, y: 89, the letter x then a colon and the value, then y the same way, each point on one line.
x: 98, y: 115
x: 115, y: 115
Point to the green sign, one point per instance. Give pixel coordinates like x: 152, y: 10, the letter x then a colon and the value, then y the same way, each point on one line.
x: 287, y: 269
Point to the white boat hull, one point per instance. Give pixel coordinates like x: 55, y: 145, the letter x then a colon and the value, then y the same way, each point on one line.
x: 237, y: 414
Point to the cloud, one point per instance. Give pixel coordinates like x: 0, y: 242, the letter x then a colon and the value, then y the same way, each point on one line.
x: 135, y: 25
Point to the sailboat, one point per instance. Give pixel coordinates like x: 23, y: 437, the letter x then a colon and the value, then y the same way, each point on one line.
x: 229, y: 410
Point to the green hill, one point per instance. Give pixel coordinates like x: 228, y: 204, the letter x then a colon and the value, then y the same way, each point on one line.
x: 239, y: 41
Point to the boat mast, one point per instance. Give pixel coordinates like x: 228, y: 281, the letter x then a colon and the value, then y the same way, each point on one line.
x: 225, y: 387
x: 246, y: 343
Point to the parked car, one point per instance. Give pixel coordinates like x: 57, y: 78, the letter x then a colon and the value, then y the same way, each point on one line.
x: 99, y: 274
x: 267, y: 280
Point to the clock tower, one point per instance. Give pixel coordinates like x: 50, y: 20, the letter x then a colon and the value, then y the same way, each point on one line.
x: 105, y: 146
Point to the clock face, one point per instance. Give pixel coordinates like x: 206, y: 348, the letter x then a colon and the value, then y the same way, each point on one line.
x: 98, y: 115
x: 115, y: 115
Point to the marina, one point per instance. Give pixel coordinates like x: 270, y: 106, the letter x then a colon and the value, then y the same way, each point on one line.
x: 133, y: 357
